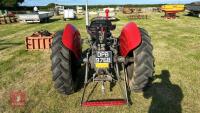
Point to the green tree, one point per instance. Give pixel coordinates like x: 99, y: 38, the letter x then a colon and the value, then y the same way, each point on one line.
x: 10, y: 3
x: 51, y: 5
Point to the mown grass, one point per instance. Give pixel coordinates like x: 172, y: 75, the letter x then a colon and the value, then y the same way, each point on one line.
x: 177, y: 58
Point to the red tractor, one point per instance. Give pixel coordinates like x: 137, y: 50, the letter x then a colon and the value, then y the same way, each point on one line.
x: 132, y: 51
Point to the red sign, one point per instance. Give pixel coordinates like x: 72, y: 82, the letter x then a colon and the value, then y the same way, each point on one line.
x: 17, y: 98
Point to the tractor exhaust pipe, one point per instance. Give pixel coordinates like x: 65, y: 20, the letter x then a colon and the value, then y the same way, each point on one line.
x: 86, y: 13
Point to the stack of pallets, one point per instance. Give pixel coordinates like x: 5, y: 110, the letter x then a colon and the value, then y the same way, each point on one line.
x: 8, y: 19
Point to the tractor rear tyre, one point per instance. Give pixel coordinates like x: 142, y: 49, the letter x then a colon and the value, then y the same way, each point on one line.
x: 62, y: 60
x: 142, y: 69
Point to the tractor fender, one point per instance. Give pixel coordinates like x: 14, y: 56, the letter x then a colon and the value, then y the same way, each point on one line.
x: 130, y: 38
x: 71, y: 39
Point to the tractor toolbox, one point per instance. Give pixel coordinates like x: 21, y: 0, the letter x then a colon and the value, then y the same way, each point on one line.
x: 40, y: 40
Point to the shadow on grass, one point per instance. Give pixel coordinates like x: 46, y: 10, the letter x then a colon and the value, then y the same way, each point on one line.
x: 5, y: 45
x: 166, y: 97
x: 53, y: 20
x: 48, y: 21
x: 191, y: 15
x: 75, y: 19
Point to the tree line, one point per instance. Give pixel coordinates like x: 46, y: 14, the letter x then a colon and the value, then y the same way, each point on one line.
x: 10, y: 3
x: 15, y: 5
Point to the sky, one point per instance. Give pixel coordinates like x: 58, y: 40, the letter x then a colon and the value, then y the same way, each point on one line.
x: 100, y: 2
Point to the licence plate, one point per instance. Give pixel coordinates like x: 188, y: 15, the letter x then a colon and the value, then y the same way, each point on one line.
x: 103, y: 58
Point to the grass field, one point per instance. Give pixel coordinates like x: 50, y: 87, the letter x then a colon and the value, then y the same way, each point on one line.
x: 176, y: 88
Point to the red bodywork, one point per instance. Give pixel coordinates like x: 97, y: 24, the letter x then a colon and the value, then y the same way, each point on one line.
x: 71, y: 40
x: 129, y: 39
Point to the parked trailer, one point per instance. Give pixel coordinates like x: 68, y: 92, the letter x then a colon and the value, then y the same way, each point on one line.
x: 35, y: 17
x: 60, y: 9
x: 79, y: 10
x: 69, y: 14
x: 171, y: 10
x: 194, y: 8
